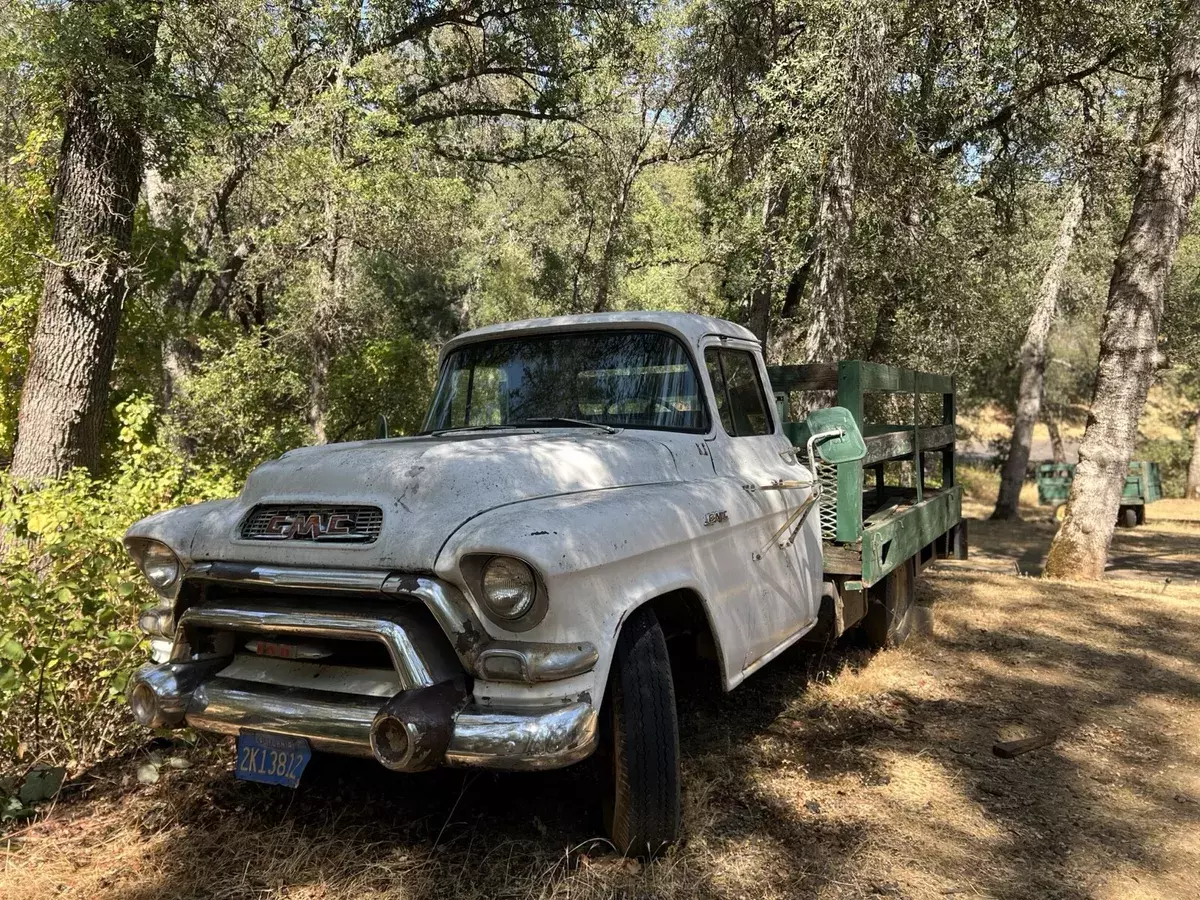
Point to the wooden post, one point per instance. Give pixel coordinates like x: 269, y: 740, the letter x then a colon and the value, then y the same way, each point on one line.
x: 948, y: 412
x: 918, y: 456
x: 850, y: 475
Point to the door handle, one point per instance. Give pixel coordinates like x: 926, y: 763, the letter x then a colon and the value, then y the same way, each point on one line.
x: 785, y: 485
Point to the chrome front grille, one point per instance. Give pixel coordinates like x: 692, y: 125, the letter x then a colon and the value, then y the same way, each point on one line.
x: 319, y: 523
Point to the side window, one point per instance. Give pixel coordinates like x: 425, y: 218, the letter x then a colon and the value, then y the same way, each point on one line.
x: 741, y: 401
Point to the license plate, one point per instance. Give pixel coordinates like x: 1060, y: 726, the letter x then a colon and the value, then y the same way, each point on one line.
x: 271, y: 758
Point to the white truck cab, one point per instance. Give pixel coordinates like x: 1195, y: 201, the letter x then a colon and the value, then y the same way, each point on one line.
x: 496, y: 590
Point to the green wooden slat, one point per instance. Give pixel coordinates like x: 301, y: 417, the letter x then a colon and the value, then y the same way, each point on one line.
x: 885, y: 445
x: 905, y: 530
x: 877, y: 377
x: 811, y: 377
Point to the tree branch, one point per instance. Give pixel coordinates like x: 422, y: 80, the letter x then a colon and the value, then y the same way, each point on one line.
x: 1001, y: 116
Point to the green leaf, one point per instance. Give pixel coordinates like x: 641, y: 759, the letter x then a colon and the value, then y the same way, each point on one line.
x: 12, y: 650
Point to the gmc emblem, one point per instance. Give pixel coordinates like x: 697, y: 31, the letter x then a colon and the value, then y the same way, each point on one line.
x: 315, y: 527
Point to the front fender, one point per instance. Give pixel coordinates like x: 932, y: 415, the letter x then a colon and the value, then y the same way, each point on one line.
x: 177, y: 528
x: 603, y: 553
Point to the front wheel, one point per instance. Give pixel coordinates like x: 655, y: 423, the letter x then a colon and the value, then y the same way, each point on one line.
x: 640, y: 742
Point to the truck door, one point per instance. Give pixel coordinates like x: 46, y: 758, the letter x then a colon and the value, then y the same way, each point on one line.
x: 783, y: 585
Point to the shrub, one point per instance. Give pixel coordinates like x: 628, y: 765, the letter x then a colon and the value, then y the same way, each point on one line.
x: 68, y: 621
x: 1172, y: 457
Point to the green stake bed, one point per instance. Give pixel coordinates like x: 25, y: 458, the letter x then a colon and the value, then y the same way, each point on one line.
x: 1143, y: 484
x: 871, y: 526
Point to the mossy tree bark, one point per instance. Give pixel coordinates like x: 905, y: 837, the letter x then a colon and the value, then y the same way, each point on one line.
x: 65, y: 396
x: 1129, y: 339
x: 1031, y: 364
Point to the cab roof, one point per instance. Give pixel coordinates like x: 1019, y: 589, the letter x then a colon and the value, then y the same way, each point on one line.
x: 690, y: 327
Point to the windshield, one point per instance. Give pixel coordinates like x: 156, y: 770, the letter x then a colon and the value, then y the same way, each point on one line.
x: 639, y: 379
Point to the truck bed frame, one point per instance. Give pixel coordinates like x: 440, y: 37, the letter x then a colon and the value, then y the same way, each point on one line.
x: 868, y: 530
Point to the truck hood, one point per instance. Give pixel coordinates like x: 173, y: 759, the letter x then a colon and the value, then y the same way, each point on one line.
x: 426, y: 487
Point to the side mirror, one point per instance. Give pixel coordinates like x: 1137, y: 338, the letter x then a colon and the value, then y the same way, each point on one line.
x: 833, y: 433
x: 381, y: 427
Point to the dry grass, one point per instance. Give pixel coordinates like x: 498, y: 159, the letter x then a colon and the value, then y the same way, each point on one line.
x: 846, y: 776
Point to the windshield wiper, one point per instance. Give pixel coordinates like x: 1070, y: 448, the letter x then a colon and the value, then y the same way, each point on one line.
x: 438, y: 432
x: 550, y: 420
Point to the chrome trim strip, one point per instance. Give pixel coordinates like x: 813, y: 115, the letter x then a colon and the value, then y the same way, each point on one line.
x: 411, y: 642
x: 533, y: 662
x: 487, y: 738
x: 288, y: 576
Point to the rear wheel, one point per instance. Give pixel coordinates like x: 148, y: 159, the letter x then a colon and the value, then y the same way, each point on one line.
x: 889, y: 617
x: 640, y: 742
x: 1127, y: 517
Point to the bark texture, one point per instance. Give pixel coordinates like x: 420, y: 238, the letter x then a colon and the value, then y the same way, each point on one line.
x: 826, y: 338
x: 762, y: 295
x: 65, y: 396
x: 1193, y: 475
x: 1058, y: 452
x: 330, y: 298
x: 1128, y: 345
x: 1031, y: 365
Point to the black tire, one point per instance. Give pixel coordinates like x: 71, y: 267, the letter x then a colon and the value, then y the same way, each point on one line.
x: 1127, y: 517
x: 639, y: 755
x: 889, y: 618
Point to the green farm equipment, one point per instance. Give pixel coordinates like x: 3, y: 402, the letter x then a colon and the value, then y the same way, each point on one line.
x: 1143, y: 484
x: 878, y: 532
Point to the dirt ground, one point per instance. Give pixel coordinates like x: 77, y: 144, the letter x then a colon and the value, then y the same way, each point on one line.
x: 839, y: 776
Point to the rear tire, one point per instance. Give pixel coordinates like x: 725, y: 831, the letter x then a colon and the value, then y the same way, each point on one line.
x: 1127, y: 517
x: 889, y: 619
x: 640, y: 742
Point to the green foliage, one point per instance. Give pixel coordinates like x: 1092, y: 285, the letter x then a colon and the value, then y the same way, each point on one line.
x: 388, y: 377
x: 241, y: 407
x: 1172, y: 457
x: 24, y: 235
x: 68, y: 626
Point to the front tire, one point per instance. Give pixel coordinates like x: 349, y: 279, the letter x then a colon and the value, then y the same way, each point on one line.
x: 640, y: 742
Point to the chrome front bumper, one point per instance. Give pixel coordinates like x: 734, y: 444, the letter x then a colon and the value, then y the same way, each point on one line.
x: 424, y: 693
x: 341, y: 723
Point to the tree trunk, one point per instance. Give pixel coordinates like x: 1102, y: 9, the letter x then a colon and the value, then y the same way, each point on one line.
x: 1058, y: 453
x: 65, y: 396
x: 825, y: 339
x: 1031, y: 364
x: 606, y: 271
x: 1128, y: 343
x: 330, y: 290
x: 1193, y: 475
x: 762, y: 295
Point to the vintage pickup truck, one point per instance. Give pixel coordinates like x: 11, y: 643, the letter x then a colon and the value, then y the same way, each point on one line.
x: 501, y: 590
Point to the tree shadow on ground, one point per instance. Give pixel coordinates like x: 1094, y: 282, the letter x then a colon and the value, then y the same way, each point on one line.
x: 887, y: 789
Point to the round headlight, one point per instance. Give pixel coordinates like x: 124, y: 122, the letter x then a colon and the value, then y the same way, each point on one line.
x: 509, y: 587
x: 159, y: 565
